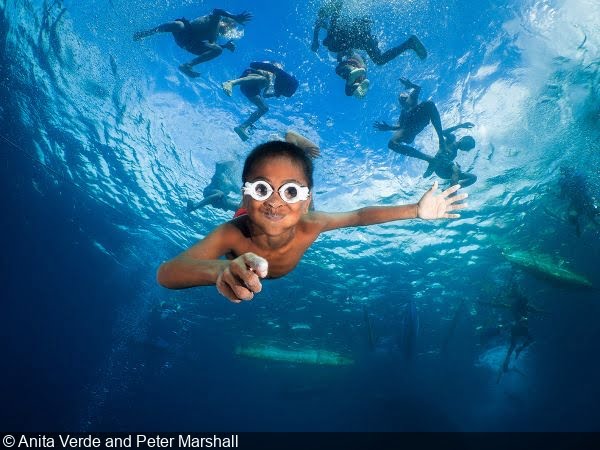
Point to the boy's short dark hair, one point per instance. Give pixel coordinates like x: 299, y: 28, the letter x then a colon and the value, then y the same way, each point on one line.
x: 279, y: 148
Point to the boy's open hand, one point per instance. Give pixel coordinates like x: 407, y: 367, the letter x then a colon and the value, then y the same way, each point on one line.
x: 438, y: 206
x: 241, y: 279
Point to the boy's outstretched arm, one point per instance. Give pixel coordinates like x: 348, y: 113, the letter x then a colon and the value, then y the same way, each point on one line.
x: 304, y: 143
x: 199, y: 265
x: 237, y: 279
x: 429, y: 207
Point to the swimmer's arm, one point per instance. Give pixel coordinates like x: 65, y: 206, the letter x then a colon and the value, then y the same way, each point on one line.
x: 370, y: 215
x: 409, y: 84
x: 199, y: 265
x: 309, y: 147
x: 429, y: 207
x: 315, y: 42
x: 456, y: 127
x: 381, y: 125
x: 239, y: 18
x: 221, y: 13
x: 319, y: 23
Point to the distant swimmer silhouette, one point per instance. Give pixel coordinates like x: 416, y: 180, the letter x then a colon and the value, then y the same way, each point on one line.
x: 520, y: 309
x: 583, y: 208
x: 222, y: 192
x: 519, y: 331
x: 443, y: 164
x: 414, y: 117
x: 263, y: 79
x: 199, y: 36
x: 345, y: 33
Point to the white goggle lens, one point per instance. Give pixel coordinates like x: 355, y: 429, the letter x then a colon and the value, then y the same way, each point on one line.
x: 289, y: 192
x: 259, y: 190
x: 293, y: 192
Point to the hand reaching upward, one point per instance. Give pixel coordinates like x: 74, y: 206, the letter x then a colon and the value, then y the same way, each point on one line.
x: 433, y: 206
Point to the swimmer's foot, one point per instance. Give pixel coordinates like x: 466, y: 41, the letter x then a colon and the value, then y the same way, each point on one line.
x: 241, y: 132
x: 228, y: 88
x: 417, y: 46
x: 229, y: 46
x: 187, y: 69
x: 362, y: 89
x: 138, y: 35
x: 355, y: 75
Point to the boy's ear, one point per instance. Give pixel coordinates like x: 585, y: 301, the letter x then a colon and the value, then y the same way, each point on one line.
x: 307, y: 205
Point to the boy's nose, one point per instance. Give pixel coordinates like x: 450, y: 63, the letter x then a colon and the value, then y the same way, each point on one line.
x: 274, y: 200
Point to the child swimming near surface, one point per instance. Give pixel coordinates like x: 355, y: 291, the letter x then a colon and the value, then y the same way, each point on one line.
x: 199, y: 36
x: 275, y: 228
x: 263, y: 79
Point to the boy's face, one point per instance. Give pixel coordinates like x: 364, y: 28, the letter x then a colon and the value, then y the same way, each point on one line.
x: 273, y: 215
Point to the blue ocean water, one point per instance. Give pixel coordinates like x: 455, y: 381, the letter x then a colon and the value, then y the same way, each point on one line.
x: 104, y: 141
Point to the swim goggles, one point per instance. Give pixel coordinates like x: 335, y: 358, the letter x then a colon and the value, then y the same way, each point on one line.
x: 291, y: 192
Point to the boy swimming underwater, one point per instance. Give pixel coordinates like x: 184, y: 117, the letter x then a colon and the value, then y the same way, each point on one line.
x: 275, y: 227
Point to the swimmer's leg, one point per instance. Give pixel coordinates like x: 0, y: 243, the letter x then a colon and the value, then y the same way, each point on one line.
x: 379, y: 58
x: 205, y: 52
x: 527, y: 343
x: 169, y: 27
x: 242, y: 130
x: 191, y: 206
x: 248, y: 79
x: 187, y: 70
x: 407, y: 150
x: 465, y: 179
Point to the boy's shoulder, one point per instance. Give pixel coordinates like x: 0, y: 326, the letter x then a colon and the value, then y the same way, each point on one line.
x: 233, y: 230
x: 237, y: 227
x: 311, y: 217
x: 313, y: 221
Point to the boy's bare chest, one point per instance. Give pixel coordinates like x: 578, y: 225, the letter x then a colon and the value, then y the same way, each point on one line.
x: 281, y: 260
